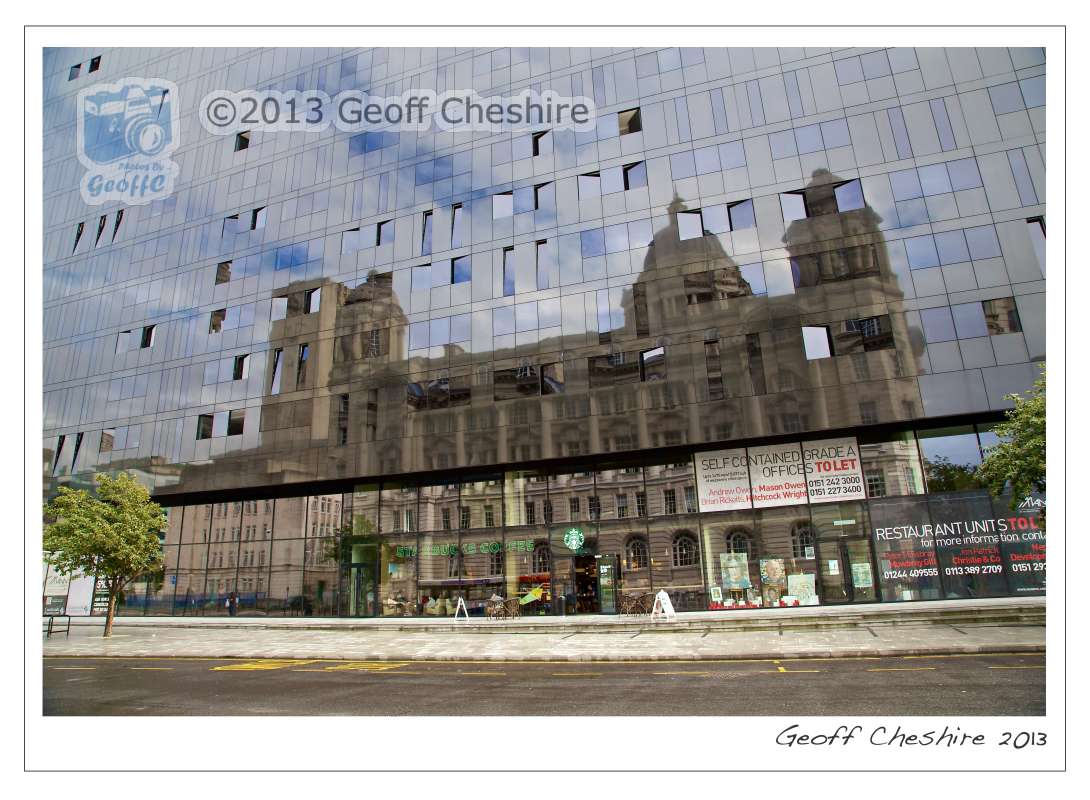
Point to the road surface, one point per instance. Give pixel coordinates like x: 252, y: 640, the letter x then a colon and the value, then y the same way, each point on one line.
x: 906, y: 686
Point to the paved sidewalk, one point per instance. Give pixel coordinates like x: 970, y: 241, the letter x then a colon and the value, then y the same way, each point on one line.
x: 956, y: 627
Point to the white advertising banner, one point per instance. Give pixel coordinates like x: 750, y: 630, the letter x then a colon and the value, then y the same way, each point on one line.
x: 722, y: 480
x: 833, y: 470
x: 80, y: 591
x: 777, y: 475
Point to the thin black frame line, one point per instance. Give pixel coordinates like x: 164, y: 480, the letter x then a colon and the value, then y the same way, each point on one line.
x: 563, y: 26
x: 1064, y: 366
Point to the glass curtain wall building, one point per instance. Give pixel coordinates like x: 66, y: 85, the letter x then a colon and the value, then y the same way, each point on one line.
x: 745, y: 341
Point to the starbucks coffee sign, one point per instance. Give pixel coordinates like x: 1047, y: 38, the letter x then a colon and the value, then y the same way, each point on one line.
x: 574, y: 538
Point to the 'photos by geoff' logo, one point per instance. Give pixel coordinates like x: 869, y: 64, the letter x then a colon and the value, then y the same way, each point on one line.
x: 125, y: 134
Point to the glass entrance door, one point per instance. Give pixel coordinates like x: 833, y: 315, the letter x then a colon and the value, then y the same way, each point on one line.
x: 846, y: 572
x: 607, y: 584
x: 586, y: 584
x: 362, y: 580
x: 844, y: 553
x: 362, y: 601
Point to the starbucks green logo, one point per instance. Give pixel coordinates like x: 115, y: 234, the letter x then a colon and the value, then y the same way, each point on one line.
x: 574, y: 538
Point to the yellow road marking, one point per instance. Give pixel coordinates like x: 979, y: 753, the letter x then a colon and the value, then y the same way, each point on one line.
x: 899, y: 669
x: 1036, y: 666
x: 702, y: 661
x: 265, y: 664
x: 782, y: 670
x: 368, y: 666
x: 73, y: 667
x: 975, y: 655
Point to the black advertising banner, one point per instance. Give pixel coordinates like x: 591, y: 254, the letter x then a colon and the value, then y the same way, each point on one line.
x: 907, y: 566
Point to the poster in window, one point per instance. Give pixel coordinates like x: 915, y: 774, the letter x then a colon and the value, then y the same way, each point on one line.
x: 735, y: 569
x: 722, y: 480
x: 834, y: 472
x: 802, y: 586
x: 773, y: 578
x: 777, y: 475
x: 862, y: 577
x: 773, y: 572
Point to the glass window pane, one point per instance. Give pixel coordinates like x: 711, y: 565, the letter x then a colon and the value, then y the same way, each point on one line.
x: 891, y: 464
x: 969, y: 320
x: 635, y: 175
x: 1001, y: 315
x: 782, y: 144
x: 951, y: 457
x: 808, y: 138
x: 741, y: 215
x: 1006, y: 98
x: 938, y: 325
x: 982, y: 242
x: 921, y: 252
x: 849, y: 196
x: 951, y: 247
x: 816, y: 342
x: 793, y: 206
x: 461, y: 270
x: 963, y: 174
x: 639, y: 233
x: 934, y: 180
x: 612, y: 180
x: 503, y: 205
x: 707, y: 160
x: 732, y: 155
x: 715, y: 219
x: 905, y: 185
x: 682, y: 165
x: 616, y: 238
x: 689, y: 225
x: 592, y: 243
x: 835, y: 134
x: 589, y: 186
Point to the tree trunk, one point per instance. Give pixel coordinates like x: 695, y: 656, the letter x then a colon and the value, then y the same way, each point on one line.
x: 109, y: 629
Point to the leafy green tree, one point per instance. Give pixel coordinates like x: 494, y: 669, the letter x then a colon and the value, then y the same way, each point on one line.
x: 943, y: 475
x: 112, y: 534
x: 1018, y: 461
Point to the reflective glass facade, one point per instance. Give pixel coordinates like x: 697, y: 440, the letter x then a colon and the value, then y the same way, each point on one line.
x: 375, y: 373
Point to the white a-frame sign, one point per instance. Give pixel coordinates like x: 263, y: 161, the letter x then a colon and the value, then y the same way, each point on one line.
x: 663, y: 608
x: 461, y: 609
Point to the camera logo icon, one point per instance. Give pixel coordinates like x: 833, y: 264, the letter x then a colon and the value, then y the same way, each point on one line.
x: 125, y: 134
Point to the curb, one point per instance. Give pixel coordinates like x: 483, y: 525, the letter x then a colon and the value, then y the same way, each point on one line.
x: 812, y: 653
x: 1030, y: 616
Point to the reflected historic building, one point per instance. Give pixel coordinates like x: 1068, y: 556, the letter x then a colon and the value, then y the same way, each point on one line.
x: 393, y: 375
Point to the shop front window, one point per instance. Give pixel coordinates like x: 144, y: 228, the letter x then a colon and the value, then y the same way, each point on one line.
x: 904, y: 549
x: 891, y: 464
x: 1022, y: 543
x: 967, y: 540
x: 439, y: 569
x: 788, y: 563
x: 951, y: 458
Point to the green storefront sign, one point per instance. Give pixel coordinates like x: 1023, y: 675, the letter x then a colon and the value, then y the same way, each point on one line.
x: 468, y: 548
